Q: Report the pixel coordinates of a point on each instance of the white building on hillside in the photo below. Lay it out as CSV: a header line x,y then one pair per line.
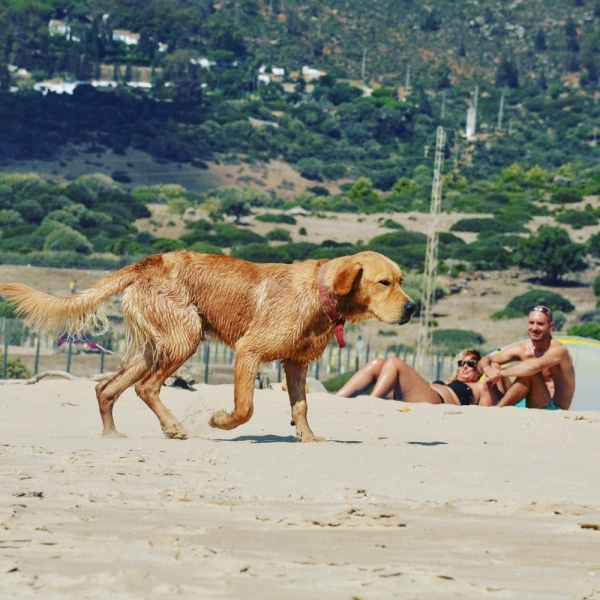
x,y
125,36
309,73
56,27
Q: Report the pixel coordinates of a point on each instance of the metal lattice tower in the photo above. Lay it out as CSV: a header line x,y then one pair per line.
x,y
424,337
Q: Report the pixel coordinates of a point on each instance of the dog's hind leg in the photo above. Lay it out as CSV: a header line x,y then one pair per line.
x,y
244,371
295,375
167,359
109,390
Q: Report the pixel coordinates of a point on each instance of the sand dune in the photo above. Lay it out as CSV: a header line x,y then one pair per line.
x,y
434,501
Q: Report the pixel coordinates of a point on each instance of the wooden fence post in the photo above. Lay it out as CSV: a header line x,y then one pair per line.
x,y
69,353
36,364
7,327
206,361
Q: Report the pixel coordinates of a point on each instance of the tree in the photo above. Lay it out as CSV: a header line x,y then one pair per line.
x,y
540,41
551,252
507,74
596,286
594,245
234,207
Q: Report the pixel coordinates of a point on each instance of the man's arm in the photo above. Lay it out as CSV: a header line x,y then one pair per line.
x,y
490,365
531,366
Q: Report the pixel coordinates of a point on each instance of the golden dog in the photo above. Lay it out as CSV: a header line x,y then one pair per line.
x,y
171,302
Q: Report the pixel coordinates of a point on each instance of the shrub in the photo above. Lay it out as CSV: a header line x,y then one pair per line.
x,y
65,238
7,309
593,245
552,252
10,218
553,301
318,190
588,330
453,341
299,250
261,253
487,226
31,211
64,260
302,231
407,248
507,313
178,206
517,212
279,235
160,245
333,172
577,218
559,319
245,195
310,168
228,235
121,177
276,218
449,239
391,224
596,286
338,382
568,196
205,248
15,369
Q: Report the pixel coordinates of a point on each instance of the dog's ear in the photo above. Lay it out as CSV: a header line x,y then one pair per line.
x,y
345,276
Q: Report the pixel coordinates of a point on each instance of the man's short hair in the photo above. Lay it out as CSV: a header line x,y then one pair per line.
x,y
543,309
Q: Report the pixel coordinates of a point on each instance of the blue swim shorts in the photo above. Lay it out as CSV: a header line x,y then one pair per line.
x,y
551,406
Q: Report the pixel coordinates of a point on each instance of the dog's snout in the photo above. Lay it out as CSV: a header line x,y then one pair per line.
x,y
409,308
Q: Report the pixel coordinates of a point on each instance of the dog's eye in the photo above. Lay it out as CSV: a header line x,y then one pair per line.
x,y
384,282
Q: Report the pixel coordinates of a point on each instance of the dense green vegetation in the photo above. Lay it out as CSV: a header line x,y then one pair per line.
x,y
519,306
327,129
88,223
588,330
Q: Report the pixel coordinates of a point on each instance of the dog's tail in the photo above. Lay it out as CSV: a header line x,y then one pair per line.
x,y
71,314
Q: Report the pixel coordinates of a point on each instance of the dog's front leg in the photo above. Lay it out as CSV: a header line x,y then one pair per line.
x,y
295,374
244,373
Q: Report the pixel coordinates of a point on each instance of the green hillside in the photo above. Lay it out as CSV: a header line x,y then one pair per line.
x,y
542,57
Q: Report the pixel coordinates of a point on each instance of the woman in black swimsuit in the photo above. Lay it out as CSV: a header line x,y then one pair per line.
x,y
393,379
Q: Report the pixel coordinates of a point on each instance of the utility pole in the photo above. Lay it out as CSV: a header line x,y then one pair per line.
x,y
501,111
364,64
427,297
475,101
407,82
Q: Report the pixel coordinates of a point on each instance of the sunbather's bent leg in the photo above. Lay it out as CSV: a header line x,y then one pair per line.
x,y
362,380
405,383
532,388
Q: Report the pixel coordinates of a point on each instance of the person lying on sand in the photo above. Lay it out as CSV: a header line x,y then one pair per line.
x,y
393,379
545,377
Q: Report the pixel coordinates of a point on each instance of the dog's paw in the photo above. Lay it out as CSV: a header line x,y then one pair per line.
x,y
306,437
113,433
220,420
175,431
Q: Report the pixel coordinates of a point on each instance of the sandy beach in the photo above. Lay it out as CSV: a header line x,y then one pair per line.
x,y
411,501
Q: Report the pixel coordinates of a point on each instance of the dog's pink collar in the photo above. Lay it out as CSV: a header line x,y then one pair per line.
x,y
330,309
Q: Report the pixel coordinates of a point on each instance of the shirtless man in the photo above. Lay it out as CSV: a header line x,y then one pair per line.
x,y
545,377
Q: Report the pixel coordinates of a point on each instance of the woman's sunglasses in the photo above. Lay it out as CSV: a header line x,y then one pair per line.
x,y
469,363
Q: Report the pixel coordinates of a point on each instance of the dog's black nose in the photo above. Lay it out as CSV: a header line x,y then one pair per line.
x,y
409,308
